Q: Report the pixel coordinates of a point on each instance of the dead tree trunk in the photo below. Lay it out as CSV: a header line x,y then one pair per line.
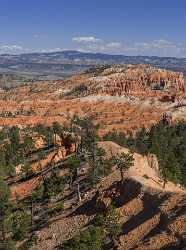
x,y
78,191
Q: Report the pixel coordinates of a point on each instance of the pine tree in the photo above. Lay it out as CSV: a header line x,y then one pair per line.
x,y
123,162
5,210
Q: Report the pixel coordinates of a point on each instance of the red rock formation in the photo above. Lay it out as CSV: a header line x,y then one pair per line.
x,y
122,80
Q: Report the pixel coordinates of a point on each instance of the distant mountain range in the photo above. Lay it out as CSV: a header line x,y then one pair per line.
x,y
69,62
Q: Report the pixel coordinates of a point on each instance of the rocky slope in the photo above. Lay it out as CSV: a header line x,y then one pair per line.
x,y
152,217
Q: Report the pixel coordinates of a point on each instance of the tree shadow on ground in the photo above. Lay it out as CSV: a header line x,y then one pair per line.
x,y
151,208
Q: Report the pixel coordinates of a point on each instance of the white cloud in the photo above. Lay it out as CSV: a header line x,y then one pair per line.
x,y
95,47
159,47
50,50
103,47
11,47
114,45
17,49
94,44
7,48
156,44
86,39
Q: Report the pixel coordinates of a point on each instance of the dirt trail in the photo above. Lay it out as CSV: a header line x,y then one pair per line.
x,y
142,171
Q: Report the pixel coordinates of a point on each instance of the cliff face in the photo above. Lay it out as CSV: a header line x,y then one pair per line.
x,y
126,79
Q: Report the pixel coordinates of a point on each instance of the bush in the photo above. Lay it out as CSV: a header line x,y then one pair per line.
x,y
90,239
20,225
56,209
8,245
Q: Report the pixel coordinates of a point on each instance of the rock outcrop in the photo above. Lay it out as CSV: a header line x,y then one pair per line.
x,y
126,79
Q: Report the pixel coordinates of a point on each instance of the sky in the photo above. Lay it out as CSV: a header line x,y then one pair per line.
x,y
128,27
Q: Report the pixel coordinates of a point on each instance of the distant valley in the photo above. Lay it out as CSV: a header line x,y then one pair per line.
x,y
58,65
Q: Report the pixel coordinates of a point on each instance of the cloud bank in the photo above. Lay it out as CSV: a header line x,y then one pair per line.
x,y
86,39
159,47
10,48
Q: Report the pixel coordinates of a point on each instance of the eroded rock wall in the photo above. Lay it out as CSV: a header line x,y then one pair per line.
x,y
121,80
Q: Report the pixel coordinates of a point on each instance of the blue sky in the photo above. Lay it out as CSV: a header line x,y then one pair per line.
x,y
134,27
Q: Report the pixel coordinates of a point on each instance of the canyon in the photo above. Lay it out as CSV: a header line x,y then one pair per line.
x,y
118,98
122,97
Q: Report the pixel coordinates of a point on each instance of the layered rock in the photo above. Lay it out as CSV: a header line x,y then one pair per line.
x,y
125,79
